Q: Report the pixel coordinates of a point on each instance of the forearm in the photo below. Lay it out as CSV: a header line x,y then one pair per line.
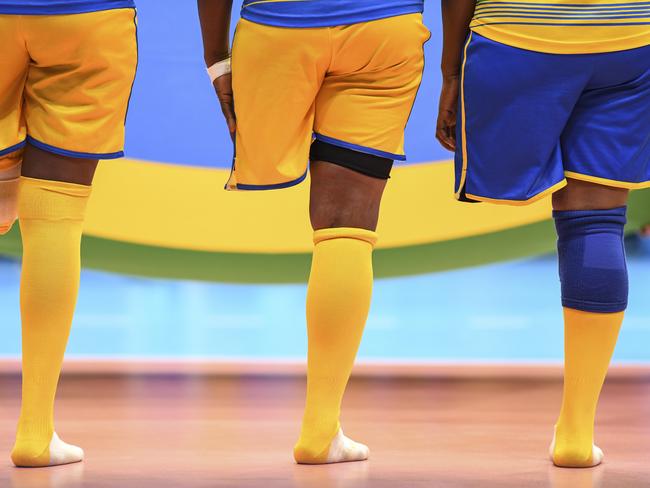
x,y
215,28
456,17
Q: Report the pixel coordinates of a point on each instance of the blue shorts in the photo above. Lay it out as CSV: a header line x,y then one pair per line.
x,y
529,120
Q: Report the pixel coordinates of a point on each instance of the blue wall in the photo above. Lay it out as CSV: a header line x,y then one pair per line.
x,y
174,115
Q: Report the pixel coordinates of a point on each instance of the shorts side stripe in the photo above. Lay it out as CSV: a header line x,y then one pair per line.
x,y
463,175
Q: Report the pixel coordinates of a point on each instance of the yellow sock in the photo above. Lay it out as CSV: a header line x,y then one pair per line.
x,y
51,217
589,342
338,300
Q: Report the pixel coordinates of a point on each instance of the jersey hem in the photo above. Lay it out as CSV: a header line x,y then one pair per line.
x,y
319,22
72,8
553,47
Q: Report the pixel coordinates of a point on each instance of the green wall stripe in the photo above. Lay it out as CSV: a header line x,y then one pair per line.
x,y
158,262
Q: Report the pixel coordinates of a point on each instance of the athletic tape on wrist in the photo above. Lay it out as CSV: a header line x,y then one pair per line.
x,y
219,69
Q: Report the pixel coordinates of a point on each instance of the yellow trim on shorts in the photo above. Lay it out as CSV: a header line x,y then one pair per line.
x,y
463,175
607,182
539,196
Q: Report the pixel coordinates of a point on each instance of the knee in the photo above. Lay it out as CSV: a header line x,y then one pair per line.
x,y
593,272
9,176
341,197
583,195
328,215
8,205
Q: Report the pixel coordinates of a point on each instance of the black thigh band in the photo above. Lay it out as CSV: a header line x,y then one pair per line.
x,y
367,164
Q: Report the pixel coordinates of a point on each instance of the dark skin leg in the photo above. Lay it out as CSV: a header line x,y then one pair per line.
x,y
582,195
341,197
44,165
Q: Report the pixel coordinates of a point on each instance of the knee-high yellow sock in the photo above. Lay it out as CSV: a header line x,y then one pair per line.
x,y
338,300
51,216
589,342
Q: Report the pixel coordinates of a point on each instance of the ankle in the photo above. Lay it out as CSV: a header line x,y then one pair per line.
x,y
34,426
304,453
31,452
573,444
572,455
578,430
315,440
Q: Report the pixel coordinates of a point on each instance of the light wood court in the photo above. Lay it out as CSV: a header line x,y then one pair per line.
x,y
200,431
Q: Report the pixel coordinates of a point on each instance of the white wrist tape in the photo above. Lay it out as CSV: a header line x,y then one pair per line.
x,y
219,69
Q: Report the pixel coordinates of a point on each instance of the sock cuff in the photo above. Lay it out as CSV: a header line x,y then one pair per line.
x,y
587,306
618,212
51,200
9,183
588,314
346,233
582,222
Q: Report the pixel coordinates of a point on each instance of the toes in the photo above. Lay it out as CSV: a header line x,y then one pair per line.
x,y
597,455
345,449
64,453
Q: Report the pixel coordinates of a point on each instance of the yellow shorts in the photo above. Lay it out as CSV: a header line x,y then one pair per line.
x,y
350,86
65,82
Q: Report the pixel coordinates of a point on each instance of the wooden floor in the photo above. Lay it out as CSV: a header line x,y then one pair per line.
x,y
209,432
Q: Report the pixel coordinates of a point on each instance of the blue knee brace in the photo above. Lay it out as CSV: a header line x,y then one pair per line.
x,y
593,272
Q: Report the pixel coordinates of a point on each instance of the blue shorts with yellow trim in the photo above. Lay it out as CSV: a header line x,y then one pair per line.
x,y
349,86
529,120
65,81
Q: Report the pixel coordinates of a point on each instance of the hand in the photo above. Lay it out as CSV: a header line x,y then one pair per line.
x,y
447,111
223,87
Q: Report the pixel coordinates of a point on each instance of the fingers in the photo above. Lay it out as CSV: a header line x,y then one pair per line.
x,y
445,140
223,87
446,125
446,133
228,109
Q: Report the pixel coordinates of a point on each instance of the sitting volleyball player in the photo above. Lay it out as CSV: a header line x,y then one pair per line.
x,y
331,83
66,72
553,98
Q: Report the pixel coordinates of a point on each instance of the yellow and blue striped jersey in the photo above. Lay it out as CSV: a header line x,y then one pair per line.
x,y
565,26
325,13
60,7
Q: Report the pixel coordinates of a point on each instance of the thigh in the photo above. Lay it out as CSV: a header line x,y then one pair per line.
x,y
14,63
371,85
607,139
276,75
47,165
513,107
79,81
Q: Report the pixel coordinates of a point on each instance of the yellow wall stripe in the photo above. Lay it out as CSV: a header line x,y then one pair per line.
x,y
186,208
